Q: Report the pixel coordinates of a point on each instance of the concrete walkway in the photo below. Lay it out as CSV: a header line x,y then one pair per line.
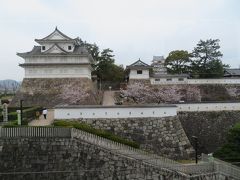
x,y
42,121
108,98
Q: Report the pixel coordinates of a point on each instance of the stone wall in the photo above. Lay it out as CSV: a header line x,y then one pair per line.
x,y
191,92
50,92
54,158
41,158
163,136
210,127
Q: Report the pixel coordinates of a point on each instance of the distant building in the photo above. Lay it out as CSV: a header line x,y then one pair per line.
x,y
158,65
58,56
139,70
169,78
232,73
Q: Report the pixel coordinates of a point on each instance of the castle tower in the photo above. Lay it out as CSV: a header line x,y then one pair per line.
x,y
57,71
58,56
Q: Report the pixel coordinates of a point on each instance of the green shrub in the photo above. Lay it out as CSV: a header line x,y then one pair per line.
x,y
28,114
231,150
98,132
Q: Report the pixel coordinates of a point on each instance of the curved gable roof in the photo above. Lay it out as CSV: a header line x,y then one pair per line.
x,y
55,49
139,65
55,35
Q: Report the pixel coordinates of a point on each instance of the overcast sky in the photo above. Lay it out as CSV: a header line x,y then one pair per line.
x,y
131,28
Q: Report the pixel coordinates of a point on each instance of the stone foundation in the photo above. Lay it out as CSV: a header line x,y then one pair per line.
x,y
163,136
211,128
49,92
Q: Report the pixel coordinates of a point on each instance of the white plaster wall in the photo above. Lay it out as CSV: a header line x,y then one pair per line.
x,y
214,81
133,74
195,81
164,81
58,72
74,113
234,106
56,59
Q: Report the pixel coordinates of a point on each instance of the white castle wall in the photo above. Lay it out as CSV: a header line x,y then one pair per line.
x,y
58,72
133,74
113,112
195,81
57,59
223,106
214,81
174,80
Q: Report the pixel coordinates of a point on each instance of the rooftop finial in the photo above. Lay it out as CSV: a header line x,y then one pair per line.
x,y
56,28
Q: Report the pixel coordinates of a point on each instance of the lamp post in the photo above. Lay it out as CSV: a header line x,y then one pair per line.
x,y
21,109
196,148
100,83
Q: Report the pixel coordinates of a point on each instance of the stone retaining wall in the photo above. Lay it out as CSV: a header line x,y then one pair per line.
x,y
211,128
49,92
54,158
65,159
163,136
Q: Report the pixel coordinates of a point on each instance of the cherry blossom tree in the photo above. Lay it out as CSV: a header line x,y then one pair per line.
x,y
233,91
192,93
163,94
141,93
74,94
136,92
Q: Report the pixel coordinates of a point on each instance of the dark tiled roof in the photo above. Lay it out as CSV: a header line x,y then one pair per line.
x,y
59,32
139,65
51,64
36,51
122,106
232,72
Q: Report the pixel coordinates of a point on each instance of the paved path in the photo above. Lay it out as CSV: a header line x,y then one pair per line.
x,y
108,98
42,121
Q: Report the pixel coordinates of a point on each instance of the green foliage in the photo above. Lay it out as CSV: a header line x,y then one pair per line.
x,y
177,62
98,132
231,150
6,96
105,69
206,59
28,114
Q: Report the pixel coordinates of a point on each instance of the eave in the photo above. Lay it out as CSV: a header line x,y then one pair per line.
x,y
52,64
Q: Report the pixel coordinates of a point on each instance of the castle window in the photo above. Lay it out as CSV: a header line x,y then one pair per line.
x,y
69,47
169,79
157,79
139,71
43,48
180,79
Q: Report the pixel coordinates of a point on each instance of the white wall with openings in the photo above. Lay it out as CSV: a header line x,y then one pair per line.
x,y
139,74
76,112
220,106
180,80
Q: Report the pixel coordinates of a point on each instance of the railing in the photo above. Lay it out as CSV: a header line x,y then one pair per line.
x,y
223,167
143,156
227,168
35,132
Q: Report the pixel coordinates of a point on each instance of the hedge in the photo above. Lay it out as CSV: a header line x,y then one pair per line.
x,y
98,132
28,114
